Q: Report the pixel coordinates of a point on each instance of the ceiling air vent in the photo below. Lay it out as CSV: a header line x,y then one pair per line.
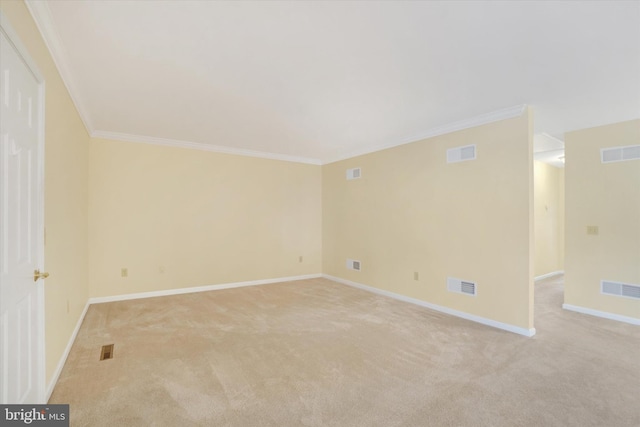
x,y
461,154
620,154
354,173
461,286
352,264
620,289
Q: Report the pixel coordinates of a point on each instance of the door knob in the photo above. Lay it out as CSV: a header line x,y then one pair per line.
x,y
37,275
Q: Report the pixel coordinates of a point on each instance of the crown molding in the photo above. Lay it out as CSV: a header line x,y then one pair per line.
x,y
483,119
553,138
42,16
44,22
200,146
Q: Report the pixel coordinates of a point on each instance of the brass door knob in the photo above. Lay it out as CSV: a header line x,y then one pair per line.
x,y
37,275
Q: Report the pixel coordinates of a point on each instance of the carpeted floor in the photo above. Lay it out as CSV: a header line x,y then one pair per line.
x,y
318,353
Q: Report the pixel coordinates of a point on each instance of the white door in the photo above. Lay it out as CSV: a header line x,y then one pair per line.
x,y
21,225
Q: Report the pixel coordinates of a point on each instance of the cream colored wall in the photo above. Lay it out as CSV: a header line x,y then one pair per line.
x,y
607,196
66,178
548,218
180,218
413,212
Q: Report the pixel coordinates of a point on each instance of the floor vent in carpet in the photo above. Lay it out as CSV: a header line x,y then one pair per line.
x,y
107,352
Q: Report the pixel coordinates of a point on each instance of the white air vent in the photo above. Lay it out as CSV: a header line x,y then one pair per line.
x,y
354,173
620,289
460,154
461,286
620,154
352,264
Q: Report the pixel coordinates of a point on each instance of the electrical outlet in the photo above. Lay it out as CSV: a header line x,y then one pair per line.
x,y
300,258
592,230
416,275
161,269
124,272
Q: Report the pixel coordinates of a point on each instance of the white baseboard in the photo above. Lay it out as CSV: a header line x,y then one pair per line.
x,y
546,276
65,354
99,300
178,291
603,314
504,326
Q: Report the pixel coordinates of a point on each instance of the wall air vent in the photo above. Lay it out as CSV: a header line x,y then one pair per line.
x,y
353,264
354,173
620,154
620,289
461,286
461,154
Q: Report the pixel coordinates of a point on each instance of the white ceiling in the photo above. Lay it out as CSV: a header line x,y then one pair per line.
x,y
320,81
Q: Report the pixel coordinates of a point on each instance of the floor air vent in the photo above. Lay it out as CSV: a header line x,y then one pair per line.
x,y
461,286
620,154
620,289
107,352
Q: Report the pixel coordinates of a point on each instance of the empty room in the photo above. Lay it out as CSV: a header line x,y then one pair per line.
x,y
312,213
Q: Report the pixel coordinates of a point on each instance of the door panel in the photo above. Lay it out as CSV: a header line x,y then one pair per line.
x,y
21,344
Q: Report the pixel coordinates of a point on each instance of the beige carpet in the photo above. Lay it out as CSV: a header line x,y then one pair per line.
x,y
318,353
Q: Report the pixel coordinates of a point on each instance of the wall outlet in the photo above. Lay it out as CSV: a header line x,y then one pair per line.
x,y
124,272
592,230
416,275
300,258
161,269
